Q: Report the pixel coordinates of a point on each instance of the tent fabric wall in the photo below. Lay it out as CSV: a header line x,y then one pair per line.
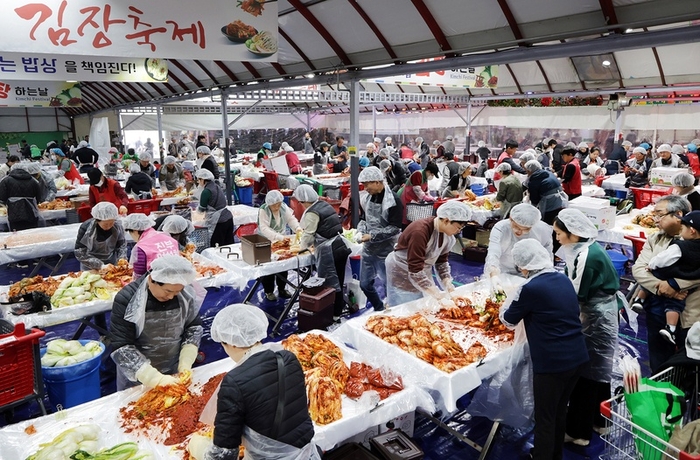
x,y
29,120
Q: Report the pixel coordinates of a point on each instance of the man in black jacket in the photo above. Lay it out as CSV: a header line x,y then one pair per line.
x,y
253,402
85,157
21,193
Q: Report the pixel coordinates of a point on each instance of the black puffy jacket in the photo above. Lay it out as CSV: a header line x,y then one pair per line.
x,y
20,184
138,183
249,396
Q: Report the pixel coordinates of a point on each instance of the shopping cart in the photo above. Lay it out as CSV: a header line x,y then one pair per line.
x,y
626,440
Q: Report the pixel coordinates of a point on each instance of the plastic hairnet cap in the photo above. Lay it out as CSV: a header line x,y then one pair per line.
x,y
203,149
364,162
137,221
463,166
533,165
692,148
419,140
376,139
134,168
170,160
683,179
204,174
577,223
677,149
104,211
387,139
449,138
627,144
436,142
370,174
583,145
645,145
370,145
82,144
481,144
525,214
173,269
266,145
273,197
384,165
641,150
503,167
663,148
529,254
58,152
527,156
177,224
455,211
239,325
384,153
305,194
145,156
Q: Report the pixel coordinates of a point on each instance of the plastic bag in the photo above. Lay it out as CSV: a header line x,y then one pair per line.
x,y
356,297
507,396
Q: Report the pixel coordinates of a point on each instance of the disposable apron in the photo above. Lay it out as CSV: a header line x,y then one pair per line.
x,y
373,212
103,250
553,200
260,447
599,318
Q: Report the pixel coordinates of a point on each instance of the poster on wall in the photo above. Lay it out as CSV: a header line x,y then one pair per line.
x,y
234,30
40,94
45,67
468,77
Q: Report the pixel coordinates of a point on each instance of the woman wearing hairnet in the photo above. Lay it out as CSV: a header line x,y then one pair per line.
x,y
547,304
274,217
684,185
66,167
177,227
261,403
416,187
545,191
155,328
510,190
458,183
597,285
425,244
321,229
150,243
139,183
523,223
171,176
146,163
101,239
212,202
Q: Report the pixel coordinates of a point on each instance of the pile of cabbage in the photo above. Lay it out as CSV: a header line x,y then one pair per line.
x,y
85,288
60,352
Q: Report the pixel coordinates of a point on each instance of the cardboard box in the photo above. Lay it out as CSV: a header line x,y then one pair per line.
x,y
403,422
598,210
661,175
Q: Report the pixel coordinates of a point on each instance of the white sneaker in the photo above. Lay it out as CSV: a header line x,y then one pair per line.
x,y
602,430
669,336
576,441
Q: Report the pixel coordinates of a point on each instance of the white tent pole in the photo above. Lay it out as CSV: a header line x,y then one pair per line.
x,y
227,160
308,120
374,122
159,143
618,125
354,141
120,129
468,149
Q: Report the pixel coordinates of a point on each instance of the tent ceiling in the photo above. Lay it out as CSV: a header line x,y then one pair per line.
x,y
336,39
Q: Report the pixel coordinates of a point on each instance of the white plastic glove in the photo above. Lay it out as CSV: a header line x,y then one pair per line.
x,y
492,271
188,355
428,197
449,287
199,445
151,377
122,210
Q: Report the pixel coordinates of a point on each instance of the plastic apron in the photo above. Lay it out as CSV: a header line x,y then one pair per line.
x,y
103,250
212,219
260,447
554,200
373,212
21,204
399,283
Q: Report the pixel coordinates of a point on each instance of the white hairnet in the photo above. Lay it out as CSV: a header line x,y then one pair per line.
x,y
436,142
204,174
384,153
527,156
176,224
137,221
173,269
504,168
274,197
463,166
240,325
384,165
145,156
387,139
203,149
29,166
288,148
455,211
104,210
525,214
305,194
663,148
481,144
577,223
377,140
82,144
627,144
370,174
583,145
529,254
683,179
170,160
370,145
532,166
639,150
449,138
677,149
134,167
419,140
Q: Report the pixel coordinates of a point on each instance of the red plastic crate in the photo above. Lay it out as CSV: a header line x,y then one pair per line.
x,y
645,196
143,206
20,378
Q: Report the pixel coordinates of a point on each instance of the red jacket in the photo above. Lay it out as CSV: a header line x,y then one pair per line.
x,y
293,162
109,191
571,175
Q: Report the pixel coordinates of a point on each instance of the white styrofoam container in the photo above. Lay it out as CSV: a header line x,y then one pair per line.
x,y
600,211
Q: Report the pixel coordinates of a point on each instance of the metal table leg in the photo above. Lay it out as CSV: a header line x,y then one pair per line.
x,y
304,274
483,450
54,269
85,322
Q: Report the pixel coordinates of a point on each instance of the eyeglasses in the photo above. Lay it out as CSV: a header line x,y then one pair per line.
x,y
657,216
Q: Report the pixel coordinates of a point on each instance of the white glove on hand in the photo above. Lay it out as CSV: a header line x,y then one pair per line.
x,y
199,445
449,287
447,302
492,271
151,377
188,355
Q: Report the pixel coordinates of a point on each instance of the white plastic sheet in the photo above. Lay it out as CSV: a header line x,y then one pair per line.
x,y
615,182
243,214
230,257
37,242
81,189
46,215
445,388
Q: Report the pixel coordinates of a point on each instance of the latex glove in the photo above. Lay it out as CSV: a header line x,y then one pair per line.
x,y
199,445
188,354
123,210
151,377
492,271
448,285
428,197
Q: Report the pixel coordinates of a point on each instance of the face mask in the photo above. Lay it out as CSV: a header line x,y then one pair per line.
x,y
99,184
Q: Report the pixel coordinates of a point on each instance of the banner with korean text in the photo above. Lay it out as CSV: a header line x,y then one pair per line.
x,y
469,77
44,67
231,30
40,94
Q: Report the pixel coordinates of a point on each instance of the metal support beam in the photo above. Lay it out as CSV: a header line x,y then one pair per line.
x,y
308,120
132,121
227,159
469,128
466,122
618,125
223,109
120,129
159,114
299,119
354,160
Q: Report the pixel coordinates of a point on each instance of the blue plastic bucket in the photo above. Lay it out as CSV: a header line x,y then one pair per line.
x,y
245,195
286,200
70,386
355,262
621,194
477,189
618,260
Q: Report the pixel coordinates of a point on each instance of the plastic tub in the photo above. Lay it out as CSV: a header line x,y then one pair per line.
x,y
70,386
355,262
245,195
621,194
618,260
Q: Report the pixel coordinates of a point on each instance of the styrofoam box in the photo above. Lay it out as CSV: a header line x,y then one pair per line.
x,y
403,422
599,211
364,437
662,176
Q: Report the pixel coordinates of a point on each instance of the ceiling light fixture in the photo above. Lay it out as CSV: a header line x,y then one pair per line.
x,y
310,75
606,63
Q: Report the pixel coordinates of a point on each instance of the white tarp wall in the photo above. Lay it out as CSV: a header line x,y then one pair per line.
x,y
100,139
30,119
